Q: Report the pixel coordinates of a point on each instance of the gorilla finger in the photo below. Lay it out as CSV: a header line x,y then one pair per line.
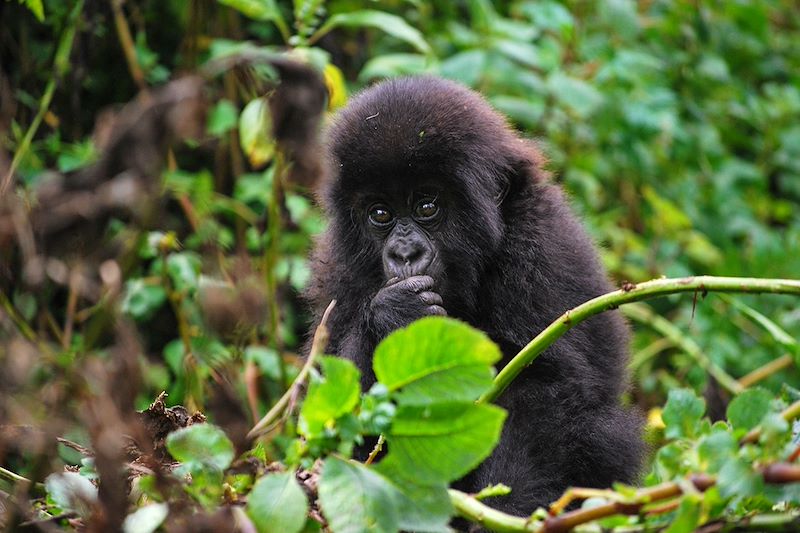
x,y
391,281
419,283
437,310
431,298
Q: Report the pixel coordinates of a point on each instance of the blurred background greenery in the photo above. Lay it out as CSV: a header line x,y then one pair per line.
x,y
674,126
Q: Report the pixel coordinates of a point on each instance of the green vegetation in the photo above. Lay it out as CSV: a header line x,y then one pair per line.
x,y
161,245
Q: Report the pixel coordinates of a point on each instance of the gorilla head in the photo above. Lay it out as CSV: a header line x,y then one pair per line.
x,y
437,207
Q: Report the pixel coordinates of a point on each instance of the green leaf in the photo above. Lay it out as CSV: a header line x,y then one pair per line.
x,y
266,10
682,413
436,359
393,65
687,518
391,24
737,478
331,397
255,127
202,444
184,270
778,333
142,299
715,449
355,499
441,443
71,492
748,408
222,117
277,504
36,8
423,507
574,93
146,519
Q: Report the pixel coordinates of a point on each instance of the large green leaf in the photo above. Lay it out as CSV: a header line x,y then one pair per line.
x,y
330,397
201,444
277,504
356,499
436,360
746,410
391,24
682,413
440,443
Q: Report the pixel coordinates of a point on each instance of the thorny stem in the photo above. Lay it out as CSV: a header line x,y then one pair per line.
x,y
317,347
612,300
643,314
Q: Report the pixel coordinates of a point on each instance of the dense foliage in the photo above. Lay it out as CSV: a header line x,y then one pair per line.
x,y
674,126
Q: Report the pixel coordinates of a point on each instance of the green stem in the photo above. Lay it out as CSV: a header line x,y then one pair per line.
x,y
12,476
61,63
475,511
612,300
644,315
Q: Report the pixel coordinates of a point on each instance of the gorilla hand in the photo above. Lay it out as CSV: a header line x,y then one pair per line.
x,y
401,301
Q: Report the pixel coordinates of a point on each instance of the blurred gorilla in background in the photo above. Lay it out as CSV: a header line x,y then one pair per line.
x,y
437,207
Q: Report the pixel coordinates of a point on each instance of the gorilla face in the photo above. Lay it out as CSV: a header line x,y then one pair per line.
x,y
423,202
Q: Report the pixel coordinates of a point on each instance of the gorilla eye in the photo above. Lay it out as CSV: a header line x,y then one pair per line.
x,y
426,209
380,215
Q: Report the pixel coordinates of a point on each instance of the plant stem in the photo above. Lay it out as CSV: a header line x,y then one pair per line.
x,y
763,372
612,300
643,314
128,46
475,511
61,63
317,347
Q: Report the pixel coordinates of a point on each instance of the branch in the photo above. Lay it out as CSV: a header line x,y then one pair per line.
x,y
612,300
645,315
317,347
468,507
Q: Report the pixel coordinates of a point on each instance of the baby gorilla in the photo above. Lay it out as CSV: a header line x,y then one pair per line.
x,y
437,207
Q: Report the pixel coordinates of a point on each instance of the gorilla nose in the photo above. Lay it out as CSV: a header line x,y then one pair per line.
x,y
406,254
407,258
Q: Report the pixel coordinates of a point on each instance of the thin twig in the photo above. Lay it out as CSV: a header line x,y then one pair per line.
x,y
128,46
376,450
763,372
317,347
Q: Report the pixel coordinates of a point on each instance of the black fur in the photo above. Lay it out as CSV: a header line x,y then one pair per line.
x,y
512,258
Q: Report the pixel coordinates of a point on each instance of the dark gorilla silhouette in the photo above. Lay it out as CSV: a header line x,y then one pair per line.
x,y
437,207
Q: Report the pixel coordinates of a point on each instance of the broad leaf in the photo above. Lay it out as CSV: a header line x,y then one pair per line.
x,y
682,413
391,24
436,360
355,499
201,444
441,443
330,397
277,504
747,409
